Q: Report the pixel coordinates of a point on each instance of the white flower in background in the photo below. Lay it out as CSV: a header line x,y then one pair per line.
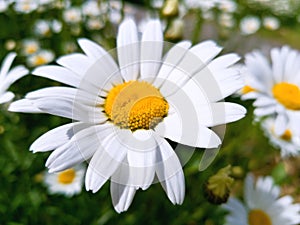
x,y
40,58
262,205
249,25
42,27
68,182
56,26
10,44
8,77
30,46
226,20
288,143
72,15
203,4
271,23
4,5
91,9
94,24
275,87
25,6
227,6
157,3
125,111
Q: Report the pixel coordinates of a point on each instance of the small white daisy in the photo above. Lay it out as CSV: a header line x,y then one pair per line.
x,y
25,6
30,46
68,182
227,6
249,25
91,9
226,20
271,23
126,109
42,27
4,5
40,58
8,77
262,205
72,15
288,143
275,87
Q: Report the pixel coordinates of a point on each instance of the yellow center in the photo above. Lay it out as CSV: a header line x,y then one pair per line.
x,y
288,95
40,60
31,49
246,89
258,217
67,176
287,135
135,105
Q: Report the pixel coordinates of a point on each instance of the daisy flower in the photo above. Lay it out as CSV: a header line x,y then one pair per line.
x,y
25,6
30,46
262,205
275,87
288,143
8,77
123,111
271,23
72,15
40,58
68,182
249,25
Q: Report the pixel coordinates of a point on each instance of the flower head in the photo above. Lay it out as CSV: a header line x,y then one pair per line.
x,y
275,87
262,205
288,142
8,77
68,182
123,111
249,25
39,58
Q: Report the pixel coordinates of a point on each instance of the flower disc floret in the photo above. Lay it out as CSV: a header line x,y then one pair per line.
x,y
135,105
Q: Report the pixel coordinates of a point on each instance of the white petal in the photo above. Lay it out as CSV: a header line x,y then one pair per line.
x,y
248,191
223,61
141,161
279,57
122,196
6,97
6,65
81,147
264,101
169,172
68,108
220,113
128,50
171,59
260,68
105,161
206,51
56,137
151,49
76,62
15,74
121,193
59,74
187,131
91,49
25,106
103,74
66,92
264,111
280,124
